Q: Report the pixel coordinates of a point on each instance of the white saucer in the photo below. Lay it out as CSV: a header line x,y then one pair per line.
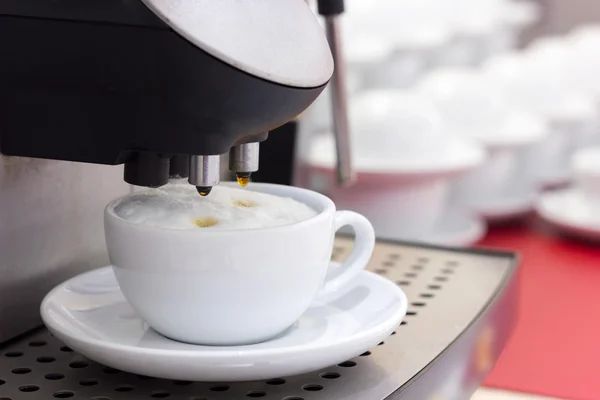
x,y
557,179
568,210
90,314
505,208
458,156
453,230
456,230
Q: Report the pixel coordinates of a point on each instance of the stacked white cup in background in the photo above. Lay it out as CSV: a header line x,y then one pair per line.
x,y
472,107
553,59
515,16
536,81
584,57
393,43
474,25
404,163
415,35
529,109
576,209
583,62
481,28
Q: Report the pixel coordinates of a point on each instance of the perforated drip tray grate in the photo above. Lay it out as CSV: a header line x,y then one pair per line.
x,y
461,314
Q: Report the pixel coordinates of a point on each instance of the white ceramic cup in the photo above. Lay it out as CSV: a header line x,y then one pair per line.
x,y
403,212
400,208
586,169
491,182
236,286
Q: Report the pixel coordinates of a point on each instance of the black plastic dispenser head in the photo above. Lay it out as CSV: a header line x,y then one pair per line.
x,y
147,169
134,82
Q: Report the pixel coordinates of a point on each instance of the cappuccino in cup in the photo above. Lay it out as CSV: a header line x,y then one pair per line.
x,y
237,267
226,208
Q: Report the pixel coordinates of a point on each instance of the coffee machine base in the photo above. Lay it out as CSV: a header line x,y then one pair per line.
x,y
461,313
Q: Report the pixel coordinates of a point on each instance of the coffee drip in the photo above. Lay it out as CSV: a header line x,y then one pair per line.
x,y
243,179
203,190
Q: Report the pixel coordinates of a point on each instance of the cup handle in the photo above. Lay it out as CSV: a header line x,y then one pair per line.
x,y
364,243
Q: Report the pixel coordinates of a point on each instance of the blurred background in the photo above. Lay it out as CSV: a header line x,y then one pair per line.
x,y
477,123
458,116
559,16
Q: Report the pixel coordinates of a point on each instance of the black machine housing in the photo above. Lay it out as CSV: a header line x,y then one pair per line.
x,y
106,81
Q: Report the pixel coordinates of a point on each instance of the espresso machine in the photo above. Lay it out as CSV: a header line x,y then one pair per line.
x,y
134,83
163,88
99,96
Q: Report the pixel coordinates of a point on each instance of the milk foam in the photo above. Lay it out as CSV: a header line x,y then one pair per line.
x,y
179,206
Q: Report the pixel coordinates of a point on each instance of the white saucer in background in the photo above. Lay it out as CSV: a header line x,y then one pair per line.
x,y
555,179
456,230
453,230
507,207
458,156
569,210
90,314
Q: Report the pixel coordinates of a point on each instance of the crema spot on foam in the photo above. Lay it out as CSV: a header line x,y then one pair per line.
x,y
244,203
205,222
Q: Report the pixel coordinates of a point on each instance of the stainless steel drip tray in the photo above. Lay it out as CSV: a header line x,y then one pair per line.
x,y
462,309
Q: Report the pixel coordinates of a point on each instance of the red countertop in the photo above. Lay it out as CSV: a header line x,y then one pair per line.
x,y
555,349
